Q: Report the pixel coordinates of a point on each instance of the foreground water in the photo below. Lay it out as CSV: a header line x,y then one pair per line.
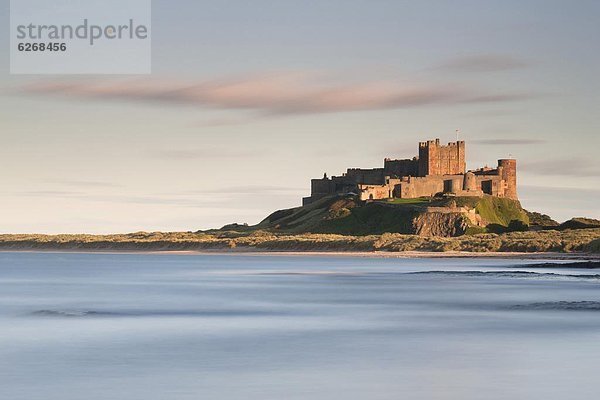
x,y
131,326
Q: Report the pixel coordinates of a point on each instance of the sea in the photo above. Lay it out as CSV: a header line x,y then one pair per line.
x,y
87,326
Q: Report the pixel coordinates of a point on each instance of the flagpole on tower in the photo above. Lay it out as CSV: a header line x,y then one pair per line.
x,y
457,132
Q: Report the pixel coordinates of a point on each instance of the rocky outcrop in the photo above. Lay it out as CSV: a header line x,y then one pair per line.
x,y
446,224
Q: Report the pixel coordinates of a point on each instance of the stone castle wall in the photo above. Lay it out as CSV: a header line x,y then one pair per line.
x,y
438,169
408,167
372,176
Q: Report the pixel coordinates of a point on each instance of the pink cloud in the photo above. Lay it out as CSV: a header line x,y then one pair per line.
x,y
271,94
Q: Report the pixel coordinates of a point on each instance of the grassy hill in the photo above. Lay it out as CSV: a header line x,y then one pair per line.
x,y
376,226
580,223
344,224
539,221
345,215
585,240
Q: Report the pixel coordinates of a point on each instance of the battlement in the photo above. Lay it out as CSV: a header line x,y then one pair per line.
x,y
428,143
437,142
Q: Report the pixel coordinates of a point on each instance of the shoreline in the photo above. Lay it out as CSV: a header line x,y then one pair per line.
x,y
568,244
320,253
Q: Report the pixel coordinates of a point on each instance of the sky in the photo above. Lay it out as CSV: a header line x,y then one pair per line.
x,y
249,100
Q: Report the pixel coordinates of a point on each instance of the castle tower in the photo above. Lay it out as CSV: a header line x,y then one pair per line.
x,y
508,171
470,182
435,159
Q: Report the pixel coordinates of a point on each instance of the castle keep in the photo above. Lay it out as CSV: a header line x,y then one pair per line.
x,y
437,169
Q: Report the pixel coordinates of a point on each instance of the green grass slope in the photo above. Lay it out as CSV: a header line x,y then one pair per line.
x,y
581,240
347,216
341,215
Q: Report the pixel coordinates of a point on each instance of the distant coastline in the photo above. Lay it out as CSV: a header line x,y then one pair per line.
x,y
566,259
569,243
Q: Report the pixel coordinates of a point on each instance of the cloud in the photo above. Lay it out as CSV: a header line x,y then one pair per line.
x,y
396,149
207,153
245,196
197,201
89,184
507,142
274,94
500,97
484,63
253,190
591,193
561,202
575,166
216,122
49,193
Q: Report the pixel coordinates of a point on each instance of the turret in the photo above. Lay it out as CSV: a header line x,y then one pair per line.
x,y
507,169
470,183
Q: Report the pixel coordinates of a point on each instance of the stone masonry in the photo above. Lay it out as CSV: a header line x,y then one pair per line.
x,y
438,169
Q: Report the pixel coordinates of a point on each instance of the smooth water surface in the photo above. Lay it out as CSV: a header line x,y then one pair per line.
x,y
157,326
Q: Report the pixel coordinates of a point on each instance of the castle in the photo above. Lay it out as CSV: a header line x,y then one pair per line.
x,y
437,169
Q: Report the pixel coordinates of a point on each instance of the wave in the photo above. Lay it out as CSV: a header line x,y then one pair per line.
x,y
142,313
474,274
507,274
588,264
70,313
560,305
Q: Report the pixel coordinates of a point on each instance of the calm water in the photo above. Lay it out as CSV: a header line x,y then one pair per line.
x,y
169,327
